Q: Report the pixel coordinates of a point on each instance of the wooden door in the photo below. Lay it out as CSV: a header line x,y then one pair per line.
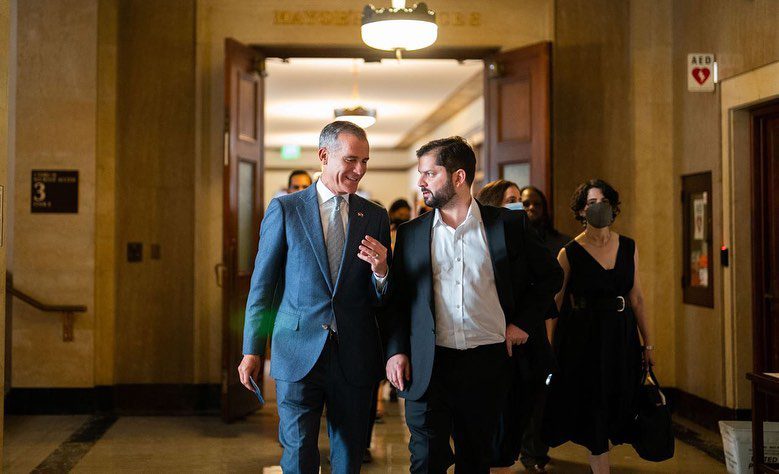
x,y
765,248
517,111
243,183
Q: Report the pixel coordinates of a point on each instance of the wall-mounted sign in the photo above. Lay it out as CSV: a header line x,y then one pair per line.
x,y
54,191
354,18
701,72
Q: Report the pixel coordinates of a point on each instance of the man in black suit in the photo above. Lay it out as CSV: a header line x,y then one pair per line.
x,y
469,282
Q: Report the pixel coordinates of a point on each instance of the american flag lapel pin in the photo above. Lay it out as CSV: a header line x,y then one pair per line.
x,y
360,214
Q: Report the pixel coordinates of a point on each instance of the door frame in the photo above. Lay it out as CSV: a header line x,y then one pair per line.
x,y
737,95
759,218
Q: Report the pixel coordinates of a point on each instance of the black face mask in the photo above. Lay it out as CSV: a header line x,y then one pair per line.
x,y
397,221
599,215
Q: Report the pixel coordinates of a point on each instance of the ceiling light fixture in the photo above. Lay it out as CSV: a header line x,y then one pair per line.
x,y
399,28
357,114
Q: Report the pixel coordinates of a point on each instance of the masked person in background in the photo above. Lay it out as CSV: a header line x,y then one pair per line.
x,y
518,434
599,353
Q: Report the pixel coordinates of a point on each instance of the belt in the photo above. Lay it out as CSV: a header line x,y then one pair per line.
x,y
618,303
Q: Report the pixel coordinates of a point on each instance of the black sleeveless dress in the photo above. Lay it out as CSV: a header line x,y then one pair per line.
x,y
591,398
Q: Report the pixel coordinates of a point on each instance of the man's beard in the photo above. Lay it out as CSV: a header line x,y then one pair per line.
x,y
441,198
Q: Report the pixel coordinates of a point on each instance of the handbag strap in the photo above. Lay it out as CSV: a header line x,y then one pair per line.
x,y
653,378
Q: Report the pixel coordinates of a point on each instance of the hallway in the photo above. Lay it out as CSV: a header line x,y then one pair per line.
x,y
205,444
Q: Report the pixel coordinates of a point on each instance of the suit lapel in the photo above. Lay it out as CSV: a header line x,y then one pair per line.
x,y
312,225
358,221
423,244
496,240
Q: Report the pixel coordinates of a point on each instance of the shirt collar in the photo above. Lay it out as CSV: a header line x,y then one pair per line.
x,y
324,194
473,212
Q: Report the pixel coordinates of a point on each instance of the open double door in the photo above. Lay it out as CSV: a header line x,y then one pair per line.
x,y
517,103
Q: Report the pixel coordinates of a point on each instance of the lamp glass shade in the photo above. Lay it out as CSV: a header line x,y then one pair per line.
x,y
408,35
359,116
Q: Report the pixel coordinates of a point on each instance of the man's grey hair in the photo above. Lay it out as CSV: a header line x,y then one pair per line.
x,y
329,136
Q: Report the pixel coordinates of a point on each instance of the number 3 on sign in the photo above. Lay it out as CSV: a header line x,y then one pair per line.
x,y
40,192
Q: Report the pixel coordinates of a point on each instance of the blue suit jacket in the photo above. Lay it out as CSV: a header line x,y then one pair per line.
x,y
292,264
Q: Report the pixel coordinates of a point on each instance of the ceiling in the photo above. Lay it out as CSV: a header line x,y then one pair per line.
x,y
302,93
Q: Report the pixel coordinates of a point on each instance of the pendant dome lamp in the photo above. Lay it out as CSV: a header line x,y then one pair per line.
x,y
357,114
399,28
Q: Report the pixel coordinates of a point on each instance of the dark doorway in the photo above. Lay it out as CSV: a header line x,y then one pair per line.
x,y
765,245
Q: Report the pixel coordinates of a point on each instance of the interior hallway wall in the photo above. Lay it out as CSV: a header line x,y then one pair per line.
x,y
6,56
743,36
55,129
622,112
155,191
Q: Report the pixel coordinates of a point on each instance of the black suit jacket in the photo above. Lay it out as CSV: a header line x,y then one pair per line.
x,y
527,277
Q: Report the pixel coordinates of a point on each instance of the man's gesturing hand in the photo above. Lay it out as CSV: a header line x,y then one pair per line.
x,y
375,254
398,371
514,337
249,367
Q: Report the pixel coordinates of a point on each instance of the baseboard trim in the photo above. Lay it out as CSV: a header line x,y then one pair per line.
x,y
125,399
701,411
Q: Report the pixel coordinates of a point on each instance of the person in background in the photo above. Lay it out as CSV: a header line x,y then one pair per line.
x,y
500,193
591,398
422,207
518,433
535,204
399,212
298,181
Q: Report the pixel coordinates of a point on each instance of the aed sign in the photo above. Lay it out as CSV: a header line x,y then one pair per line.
x,y
701,72
54,191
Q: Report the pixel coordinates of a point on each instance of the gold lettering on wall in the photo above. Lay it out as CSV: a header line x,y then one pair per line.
x,y
354,18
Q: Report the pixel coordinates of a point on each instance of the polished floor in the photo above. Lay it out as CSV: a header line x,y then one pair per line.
x,y
205,444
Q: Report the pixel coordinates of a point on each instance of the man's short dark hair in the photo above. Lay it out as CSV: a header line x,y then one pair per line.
x,y
329,135
399,204
298,173
453,153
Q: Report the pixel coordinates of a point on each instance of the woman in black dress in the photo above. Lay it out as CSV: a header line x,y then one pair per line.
x,y
599,353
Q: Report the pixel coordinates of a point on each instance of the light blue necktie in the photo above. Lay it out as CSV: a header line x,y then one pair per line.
x,y
335,239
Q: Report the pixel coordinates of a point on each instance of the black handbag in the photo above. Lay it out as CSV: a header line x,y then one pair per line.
x,y
653,437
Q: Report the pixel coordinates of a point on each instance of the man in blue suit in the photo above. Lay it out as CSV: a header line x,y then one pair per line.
x,y
324,251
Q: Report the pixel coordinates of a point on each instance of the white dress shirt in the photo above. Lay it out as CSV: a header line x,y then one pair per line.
x,y
467,309
326,204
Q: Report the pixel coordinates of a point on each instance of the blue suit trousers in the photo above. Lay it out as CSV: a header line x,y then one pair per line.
x,y
300,407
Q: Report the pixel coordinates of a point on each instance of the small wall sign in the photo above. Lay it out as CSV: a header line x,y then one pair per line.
x,y
701,72
54,191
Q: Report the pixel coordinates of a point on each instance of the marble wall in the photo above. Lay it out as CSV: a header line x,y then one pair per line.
x,y
53,258
6,49
155,192
743,36
622,111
